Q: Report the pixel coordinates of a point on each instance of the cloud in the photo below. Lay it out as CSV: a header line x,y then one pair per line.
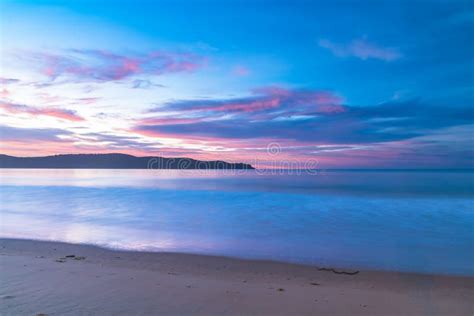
x,y
63,114
40,141
101,65
170,121
265,100
116,142
395,134
8,133
387,122
334,148
361,49
8,80
241,71
48,141
90,100
145,84
4,93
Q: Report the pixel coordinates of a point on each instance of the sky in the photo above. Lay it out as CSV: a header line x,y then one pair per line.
x,y
337,84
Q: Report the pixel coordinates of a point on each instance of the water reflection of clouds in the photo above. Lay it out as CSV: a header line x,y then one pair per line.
x,y
370,183
423,231
20,226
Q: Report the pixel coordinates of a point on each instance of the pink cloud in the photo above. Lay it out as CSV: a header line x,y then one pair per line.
x,y
49,111
188,139
48,98
241,71
103,65
328,109
88,100
249,106
362,49
273,91
255,151
168,121
59,113
125,68
270,98
311,99
4,93
327,98
28,148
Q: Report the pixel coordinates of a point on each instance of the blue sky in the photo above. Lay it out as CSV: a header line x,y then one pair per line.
x,y
349,83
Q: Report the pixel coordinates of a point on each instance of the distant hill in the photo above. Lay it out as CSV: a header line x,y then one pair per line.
x,y
113,161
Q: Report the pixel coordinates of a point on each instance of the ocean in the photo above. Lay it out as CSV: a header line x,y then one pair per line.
x,y
406,220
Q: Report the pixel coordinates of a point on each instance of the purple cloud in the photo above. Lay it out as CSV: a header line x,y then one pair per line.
x,y
145,84
100,65
63,114
9,133
387,122
362,49
6,81
267,101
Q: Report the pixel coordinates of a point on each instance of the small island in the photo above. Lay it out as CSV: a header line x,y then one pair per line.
x,y
114,161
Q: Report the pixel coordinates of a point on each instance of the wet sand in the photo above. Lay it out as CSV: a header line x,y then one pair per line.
x,y
54,278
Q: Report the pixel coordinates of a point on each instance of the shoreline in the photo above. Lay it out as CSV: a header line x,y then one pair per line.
x,y
313,265
56,278
338,269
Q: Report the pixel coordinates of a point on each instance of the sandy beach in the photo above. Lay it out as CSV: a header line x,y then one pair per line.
x,y
52,278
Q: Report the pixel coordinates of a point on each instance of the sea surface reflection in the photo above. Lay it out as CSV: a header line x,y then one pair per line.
x,y
419,221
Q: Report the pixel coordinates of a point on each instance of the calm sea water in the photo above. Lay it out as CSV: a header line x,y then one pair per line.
x,y
402,221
